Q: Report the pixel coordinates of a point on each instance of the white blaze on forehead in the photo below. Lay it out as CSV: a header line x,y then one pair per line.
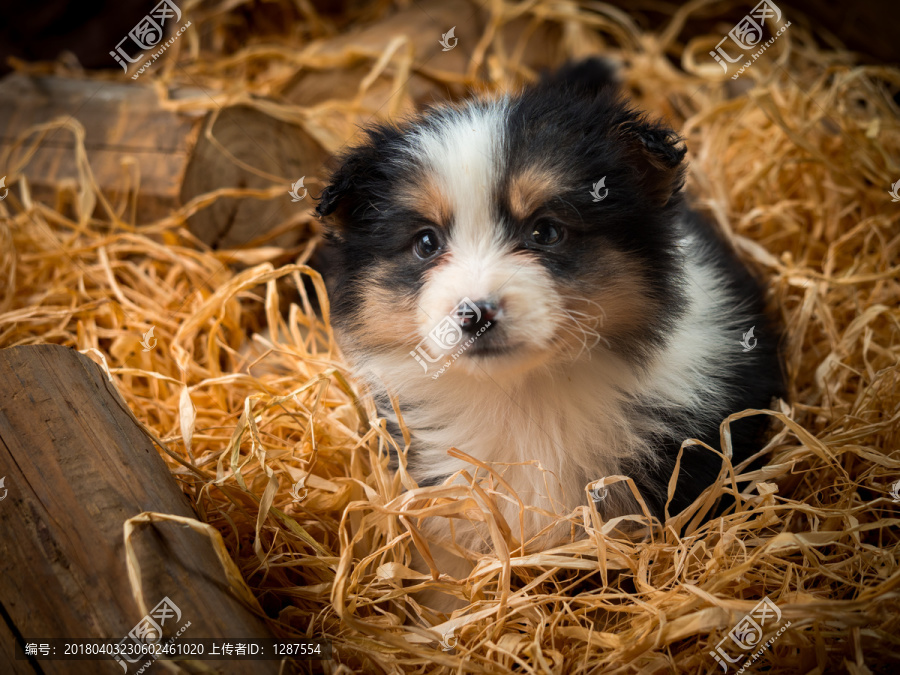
x,y
462,154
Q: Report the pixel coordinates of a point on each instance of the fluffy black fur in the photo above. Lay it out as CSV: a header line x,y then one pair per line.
x,y
576,121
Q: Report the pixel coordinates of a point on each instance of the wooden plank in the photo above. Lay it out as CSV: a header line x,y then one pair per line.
x,y
129,136
124,125
77,466
7,658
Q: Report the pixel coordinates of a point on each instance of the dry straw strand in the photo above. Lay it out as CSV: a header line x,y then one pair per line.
x,y
286,461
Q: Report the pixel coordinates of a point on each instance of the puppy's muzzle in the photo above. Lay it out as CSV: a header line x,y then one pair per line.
x,y
473,322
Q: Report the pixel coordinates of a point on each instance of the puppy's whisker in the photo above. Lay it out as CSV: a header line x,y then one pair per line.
x,y
579,339
586,330
600,315
597,337
567,327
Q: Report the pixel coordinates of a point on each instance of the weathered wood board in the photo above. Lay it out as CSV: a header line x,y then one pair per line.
x,y
77,466
127,134
136,146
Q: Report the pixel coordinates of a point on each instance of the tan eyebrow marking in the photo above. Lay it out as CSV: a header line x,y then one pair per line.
x,y
529,189
426,198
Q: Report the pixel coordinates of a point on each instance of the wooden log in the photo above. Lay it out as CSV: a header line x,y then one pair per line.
x,y
126,133
129,135
423,24
273,148
77,465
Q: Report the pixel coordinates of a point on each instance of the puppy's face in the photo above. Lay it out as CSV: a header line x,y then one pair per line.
x,y
506,234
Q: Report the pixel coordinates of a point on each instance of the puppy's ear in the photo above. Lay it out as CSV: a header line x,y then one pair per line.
x,y
583,78
657,153
331,196
343,185
358,171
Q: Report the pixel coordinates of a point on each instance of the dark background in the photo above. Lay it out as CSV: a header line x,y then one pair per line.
x,y
40,31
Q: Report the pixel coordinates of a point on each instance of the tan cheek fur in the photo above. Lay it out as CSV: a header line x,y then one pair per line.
x,y
621,294
617,305
385,318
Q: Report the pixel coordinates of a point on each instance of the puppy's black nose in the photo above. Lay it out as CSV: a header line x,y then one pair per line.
x,y
473,316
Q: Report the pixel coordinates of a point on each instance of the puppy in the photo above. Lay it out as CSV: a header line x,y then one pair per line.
x,y
524,274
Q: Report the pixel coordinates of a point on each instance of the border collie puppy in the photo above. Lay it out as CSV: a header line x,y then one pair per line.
x,y
524,275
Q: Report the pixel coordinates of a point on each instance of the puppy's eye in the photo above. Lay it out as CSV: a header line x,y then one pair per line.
x,y
546,233
426,244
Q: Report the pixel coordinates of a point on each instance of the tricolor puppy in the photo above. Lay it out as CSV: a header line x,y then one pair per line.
x,y
524,275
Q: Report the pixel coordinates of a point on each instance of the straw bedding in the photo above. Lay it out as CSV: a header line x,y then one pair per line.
x,y
286,459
